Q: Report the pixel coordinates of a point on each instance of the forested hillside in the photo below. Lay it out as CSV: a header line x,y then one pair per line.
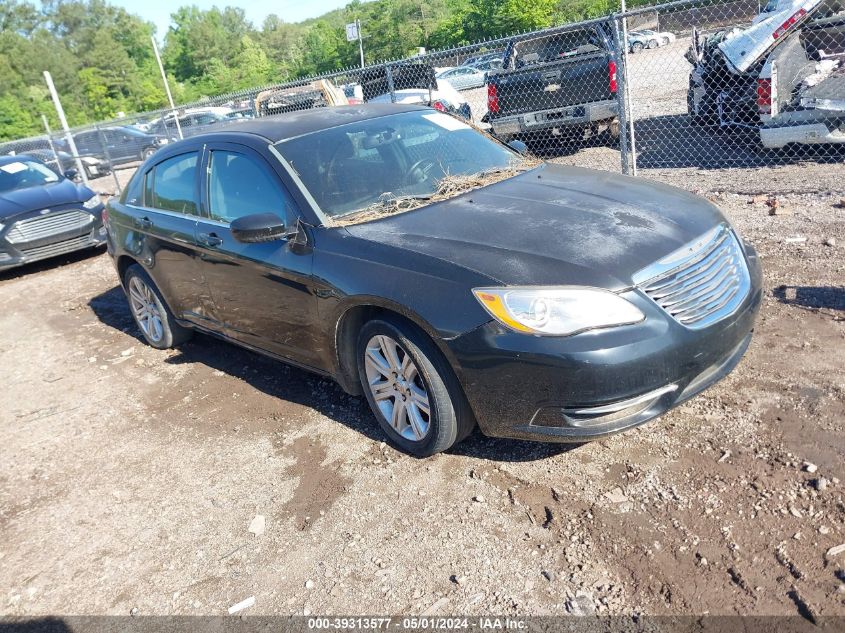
x,y
102,61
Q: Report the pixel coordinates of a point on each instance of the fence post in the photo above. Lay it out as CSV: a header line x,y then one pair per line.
x,y
108,158
621,105
390,83
626,113
50,143
626,94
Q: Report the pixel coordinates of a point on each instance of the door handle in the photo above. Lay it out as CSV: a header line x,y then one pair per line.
x,y
143,223
209,239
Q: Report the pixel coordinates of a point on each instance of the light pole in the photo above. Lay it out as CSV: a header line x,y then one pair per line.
x,y
166,87
68,136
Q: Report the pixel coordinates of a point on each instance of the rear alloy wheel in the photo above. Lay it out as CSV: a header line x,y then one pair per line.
x,y
652,44
665,41
152,317
637,47
411,389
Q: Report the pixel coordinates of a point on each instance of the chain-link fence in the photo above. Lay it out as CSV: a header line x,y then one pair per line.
x,y
688,84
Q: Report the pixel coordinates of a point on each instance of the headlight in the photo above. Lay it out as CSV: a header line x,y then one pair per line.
x,y
93,202
557,311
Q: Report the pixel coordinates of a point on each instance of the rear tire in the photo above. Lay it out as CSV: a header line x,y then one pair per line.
x,y
652,44
151,314
637,47
411,388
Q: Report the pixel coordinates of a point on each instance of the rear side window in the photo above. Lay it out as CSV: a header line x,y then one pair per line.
x,y
240,185
171,185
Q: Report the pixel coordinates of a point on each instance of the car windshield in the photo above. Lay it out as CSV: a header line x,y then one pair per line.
x,y
385,161
23,174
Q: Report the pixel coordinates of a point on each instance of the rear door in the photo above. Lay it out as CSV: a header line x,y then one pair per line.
x,y
262,292
555,71
162,235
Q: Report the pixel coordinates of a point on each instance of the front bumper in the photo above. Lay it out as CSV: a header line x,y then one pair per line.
x,y
22,249
597,383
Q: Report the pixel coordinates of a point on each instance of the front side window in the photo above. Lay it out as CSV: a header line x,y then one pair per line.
x,y
417,154
171,185
240,185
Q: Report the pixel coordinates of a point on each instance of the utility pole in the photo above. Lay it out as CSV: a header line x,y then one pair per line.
x,y
68,136
360,41
50,143
166,87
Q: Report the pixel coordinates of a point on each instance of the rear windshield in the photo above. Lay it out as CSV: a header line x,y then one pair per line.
x,y
556,47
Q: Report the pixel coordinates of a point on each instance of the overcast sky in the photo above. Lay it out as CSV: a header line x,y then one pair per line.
x,y
158,11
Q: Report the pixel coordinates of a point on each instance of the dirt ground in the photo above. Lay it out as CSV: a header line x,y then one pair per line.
x,y
129,476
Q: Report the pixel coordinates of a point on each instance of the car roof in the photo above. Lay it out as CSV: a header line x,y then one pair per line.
x,y
292,124
5,160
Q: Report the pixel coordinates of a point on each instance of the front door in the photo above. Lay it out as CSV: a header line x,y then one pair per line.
x,y
262,292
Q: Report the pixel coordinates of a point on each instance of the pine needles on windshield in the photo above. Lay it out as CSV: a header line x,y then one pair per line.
x,y
449,186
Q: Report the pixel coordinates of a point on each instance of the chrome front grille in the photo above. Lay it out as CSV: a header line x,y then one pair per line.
x,y
700,283
42,226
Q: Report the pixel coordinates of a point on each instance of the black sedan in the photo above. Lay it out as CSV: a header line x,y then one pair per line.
x,y
43,214
439,273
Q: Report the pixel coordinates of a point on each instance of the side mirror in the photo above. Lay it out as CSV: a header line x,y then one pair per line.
x,y
518,146
258,227
71,174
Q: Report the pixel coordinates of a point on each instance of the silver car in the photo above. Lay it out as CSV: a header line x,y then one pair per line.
x,y
463,77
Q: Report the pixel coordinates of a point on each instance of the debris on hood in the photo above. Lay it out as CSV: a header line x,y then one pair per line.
x,y
448,187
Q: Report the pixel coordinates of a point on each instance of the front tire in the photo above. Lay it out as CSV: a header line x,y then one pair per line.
x,y
411,389
151,314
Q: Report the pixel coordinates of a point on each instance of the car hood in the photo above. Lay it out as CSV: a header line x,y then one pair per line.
x,y
553,225
57,193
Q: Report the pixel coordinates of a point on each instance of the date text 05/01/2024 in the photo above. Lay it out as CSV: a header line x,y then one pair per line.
x,y
412,623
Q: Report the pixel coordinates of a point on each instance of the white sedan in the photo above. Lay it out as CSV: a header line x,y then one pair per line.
x,y
663,37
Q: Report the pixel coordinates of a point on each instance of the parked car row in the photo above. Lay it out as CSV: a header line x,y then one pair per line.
x,y
642,39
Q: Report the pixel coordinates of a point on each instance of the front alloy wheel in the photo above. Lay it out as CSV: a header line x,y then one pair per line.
x,y
397,388
411,388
